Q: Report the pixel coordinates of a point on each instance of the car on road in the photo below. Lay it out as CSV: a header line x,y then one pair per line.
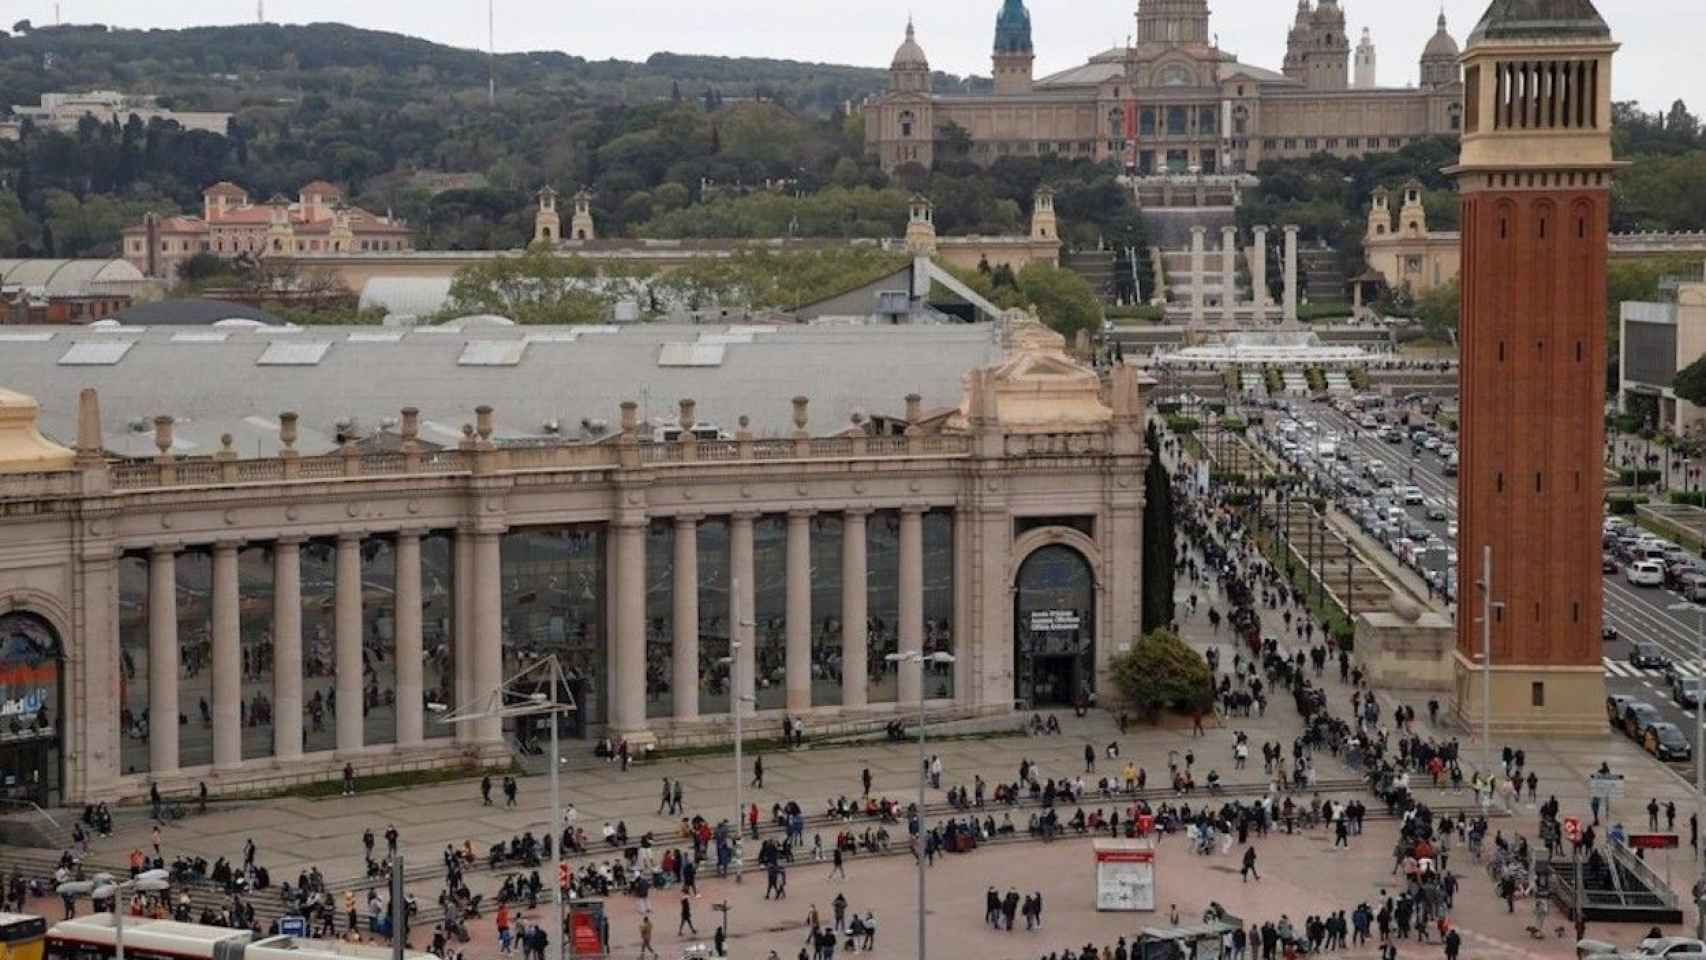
x,y
1614,705
1607,563
1451,530
1393,435
1638,715
1666,742
1645,573
1686,691
1437,512
1647,656
1413,496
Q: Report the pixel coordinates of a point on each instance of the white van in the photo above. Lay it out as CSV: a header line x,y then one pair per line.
x,y
1645,573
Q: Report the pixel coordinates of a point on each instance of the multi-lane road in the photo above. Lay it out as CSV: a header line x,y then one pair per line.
x,y
1637,613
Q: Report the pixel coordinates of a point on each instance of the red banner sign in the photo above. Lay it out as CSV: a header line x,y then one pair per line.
x,y
1653,841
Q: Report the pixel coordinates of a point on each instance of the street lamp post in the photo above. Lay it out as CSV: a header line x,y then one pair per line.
x,y
1699,731
103,887
530,703
921,658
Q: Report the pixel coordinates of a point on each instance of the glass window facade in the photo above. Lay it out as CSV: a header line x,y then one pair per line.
x,y
133,662
882,611
438,602
1054,629
379,639
939,623
195,657
319,645
660,618
714,578
770,570
554,603
826,609
254,632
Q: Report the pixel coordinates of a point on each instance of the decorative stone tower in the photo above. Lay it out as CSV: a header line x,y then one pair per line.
x,y
580,227
547,225
1326,56
1535,180
909,72
1413,218
1013,59
1043,226
1365,74
1173,22
921,227
281,238
1379,216
1439,58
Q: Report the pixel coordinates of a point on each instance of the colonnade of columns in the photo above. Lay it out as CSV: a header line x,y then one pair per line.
x,y
478,631
628,716
287,648
1228,271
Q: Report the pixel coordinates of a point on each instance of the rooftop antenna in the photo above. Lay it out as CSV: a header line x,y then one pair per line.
x,y
491,55
56,21
260,11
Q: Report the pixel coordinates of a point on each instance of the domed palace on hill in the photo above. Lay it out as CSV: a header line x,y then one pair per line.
x,y
1172,101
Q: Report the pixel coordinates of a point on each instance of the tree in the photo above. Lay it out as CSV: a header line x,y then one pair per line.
x,y
22,26
1158,556
1690,382
202,266
1439,310
536,287
1063,300
1162,672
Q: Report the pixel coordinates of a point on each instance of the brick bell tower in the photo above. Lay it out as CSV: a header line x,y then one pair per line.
x,y
1535,178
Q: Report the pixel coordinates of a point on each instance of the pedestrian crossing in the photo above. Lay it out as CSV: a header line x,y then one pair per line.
x,y
1623,668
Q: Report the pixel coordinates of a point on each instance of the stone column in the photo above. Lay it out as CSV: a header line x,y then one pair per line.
x,y
287,648
799,611
227,660
854,611
1290,273
163,660
629,710
488,630
685,618
462,623
346,619
1196,274
407,616
742,600
1229,270
1259,275
911,600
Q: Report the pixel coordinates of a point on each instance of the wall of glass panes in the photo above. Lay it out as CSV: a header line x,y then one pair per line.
x,y
554,603
133,662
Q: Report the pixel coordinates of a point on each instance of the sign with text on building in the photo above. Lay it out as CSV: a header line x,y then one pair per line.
x,y
1054,621
1125,875
1653,841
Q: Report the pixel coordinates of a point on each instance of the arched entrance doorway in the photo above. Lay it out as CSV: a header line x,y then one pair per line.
x,y
31,714
1054,628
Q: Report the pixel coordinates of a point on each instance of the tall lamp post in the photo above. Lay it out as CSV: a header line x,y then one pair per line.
x,y
517,697
102,887
738,700
1699,729
921,658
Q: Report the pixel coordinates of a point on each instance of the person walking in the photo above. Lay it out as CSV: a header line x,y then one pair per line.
x,y
1453,943
1089,759
1249,866
676,797
758,771
1653,815
349,780
836,864
663,801
686,916
865,780
646,936
486,790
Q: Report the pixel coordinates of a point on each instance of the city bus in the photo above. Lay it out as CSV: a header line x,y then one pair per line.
x,y
94,938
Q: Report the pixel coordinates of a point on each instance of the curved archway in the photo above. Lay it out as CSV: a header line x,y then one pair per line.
x,y
32,698
1054,627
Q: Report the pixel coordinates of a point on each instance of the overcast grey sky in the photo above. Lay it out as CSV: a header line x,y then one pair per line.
x,y
1661,58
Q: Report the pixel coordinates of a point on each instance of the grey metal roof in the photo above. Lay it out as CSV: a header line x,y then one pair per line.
x,y
1540,20
70,278
215,387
